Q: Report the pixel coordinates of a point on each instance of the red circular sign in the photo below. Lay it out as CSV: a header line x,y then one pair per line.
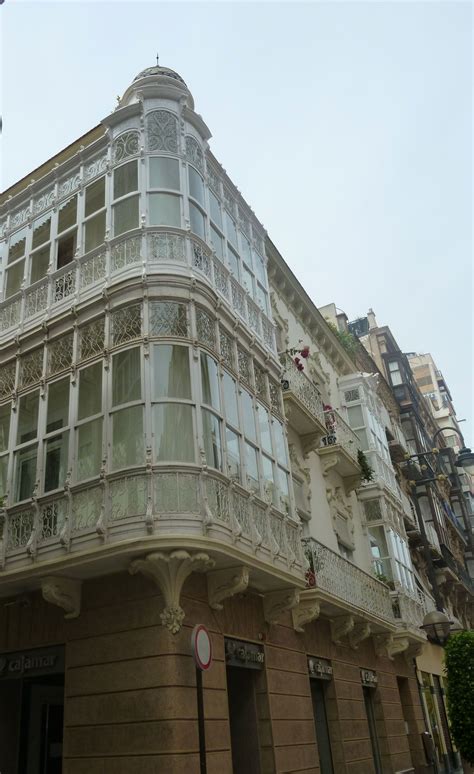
x,y
202,647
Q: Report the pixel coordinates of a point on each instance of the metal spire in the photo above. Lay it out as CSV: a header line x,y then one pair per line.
x,y
157,60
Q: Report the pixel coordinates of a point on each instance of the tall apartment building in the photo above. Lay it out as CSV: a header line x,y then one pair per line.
x,y
166,460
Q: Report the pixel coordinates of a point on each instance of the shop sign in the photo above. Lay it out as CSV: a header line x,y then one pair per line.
x,y
319,668
31,663
368,678
244,654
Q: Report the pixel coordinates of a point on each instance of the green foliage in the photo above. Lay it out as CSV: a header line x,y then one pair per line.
x,y
367,472
348,341
459,665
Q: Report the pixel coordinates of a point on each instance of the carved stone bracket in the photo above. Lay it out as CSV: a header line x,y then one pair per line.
x,y
359,633
387,645
305,612
223,584
351,483
328,463
169,571
64,592
340,628
275,603
414,650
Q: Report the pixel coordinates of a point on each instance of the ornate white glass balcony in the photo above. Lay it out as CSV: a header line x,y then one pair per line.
x,y
339,448
303,405
409,608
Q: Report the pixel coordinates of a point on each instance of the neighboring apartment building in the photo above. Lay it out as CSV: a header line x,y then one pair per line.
x,y
157,471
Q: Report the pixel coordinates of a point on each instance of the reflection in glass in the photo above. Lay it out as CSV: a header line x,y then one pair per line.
x,y
89,449
90,391
58,405
56,462
209,381
212,439
126,376
172,378
173,431
28,417
128,441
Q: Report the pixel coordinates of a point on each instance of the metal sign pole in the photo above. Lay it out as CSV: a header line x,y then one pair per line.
x,y
202,733
202,651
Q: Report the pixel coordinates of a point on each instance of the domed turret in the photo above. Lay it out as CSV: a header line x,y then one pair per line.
x,y
169,82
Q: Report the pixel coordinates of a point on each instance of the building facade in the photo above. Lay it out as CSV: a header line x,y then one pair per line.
x,y
165,462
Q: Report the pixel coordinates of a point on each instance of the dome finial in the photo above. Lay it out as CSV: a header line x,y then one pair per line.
x,y
157,60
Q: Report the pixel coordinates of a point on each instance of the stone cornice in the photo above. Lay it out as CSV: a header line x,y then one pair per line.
x,y
121,114
286,285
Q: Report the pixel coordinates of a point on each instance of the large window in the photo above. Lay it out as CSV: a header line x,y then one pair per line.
x,y
15,262
125,194
173,428
94,213
127,422
41,247
67,232
27,452
89,428
395,372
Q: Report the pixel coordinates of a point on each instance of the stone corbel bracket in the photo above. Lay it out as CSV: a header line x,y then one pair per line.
x,y
276,603
387,645
169,571
64,592
341,627
223,584
305,612
414,650
351,483
360,632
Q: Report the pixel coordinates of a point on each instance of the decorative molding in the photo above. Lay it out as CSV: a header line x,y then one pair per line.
x,y
414,650
223,584
304,612
63,592
275,603
388,646
360,632
169,571
341,627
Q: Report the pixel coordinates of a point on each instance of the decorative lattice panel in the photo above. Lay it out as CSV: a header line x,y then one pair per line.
x,y
127,324
168,318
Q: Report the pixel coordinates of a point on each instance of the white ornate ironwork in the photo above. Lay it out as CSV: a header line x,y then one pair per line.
x,y
410,607
125,253
96,167
245,372
347,582
60,354
176,493
253,316
7,378
268,333
65,285
260,382
166,247
20,527
227,349
124,146
201,260
238,298
92,270
194,153
43,202
10,314
214,179
66,187
31,367
301,386
86,508
206,328
339,433
168,318
162,131
275,395
127,323
53,516
36,299
92,339
128,497
20,217
221,278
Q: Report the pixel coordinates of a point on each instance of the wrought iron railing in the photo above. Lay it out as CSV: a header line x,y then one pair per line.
x,y
339,434
143,251
302,387
410,607
347,582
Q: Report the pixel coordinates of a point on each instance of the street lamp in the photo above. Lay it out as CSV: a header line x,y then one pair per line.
x,y
465,460
437,627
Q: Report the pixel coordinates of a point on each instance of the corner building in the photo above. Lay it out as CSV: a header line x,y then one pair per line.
x,y
147,484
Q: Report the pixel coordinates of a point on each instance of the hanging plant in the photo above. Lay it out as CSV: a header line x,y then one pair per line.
x,y
296,352
459,666
367,472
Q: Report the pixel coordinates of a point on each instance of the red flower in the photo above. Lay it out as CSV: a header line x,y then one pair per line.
x,y
310,579
304,352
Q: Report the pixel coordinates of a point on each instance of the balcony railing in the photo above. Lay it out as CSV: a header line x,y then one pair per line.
x,y
338,433
307,412
168,503
410,607
432,537
342,580
145,251
383,472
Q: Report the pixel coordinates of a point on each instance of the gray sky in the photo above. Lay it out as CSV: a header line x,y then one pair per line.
x,y
346,125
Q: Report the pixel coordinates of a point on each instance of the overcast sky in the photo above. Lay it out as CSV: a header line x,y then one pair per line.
x,y
347,127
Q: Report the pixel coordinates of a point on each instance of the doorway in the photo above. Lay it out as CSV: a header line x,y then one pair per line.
x,y
243,721
318,696
370,711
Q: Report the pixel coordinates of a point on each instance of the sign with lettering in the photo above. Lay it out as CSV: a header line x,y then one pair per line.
x,y
43,661
368,678
244,654
319,668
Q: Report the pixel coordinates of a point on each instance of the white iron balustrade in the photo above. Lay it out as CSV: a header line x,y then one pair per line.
x,y
145,251
342,580
338,433
410,608
305,404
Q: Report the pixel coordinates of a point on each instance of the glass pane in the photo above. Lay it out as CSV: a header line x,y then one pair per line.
x,y
5,414
66,249
259,268
216,213
172,378
251,467
56,462
197,220
264,425
362,436
230,399
95,197
279,436
90,391
67,214
164,210
128,440
246,250
40,263
126,215
3,475
25,473
231,230
212,439
17,245
94,232
247,280
14,278
262,298
28,417
284,491
356,417
89,449
217,243
248,416
126,376
209,381
173,431
269,492
41,231
125,179
164,173
233,260
233,454
196,185
58,405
